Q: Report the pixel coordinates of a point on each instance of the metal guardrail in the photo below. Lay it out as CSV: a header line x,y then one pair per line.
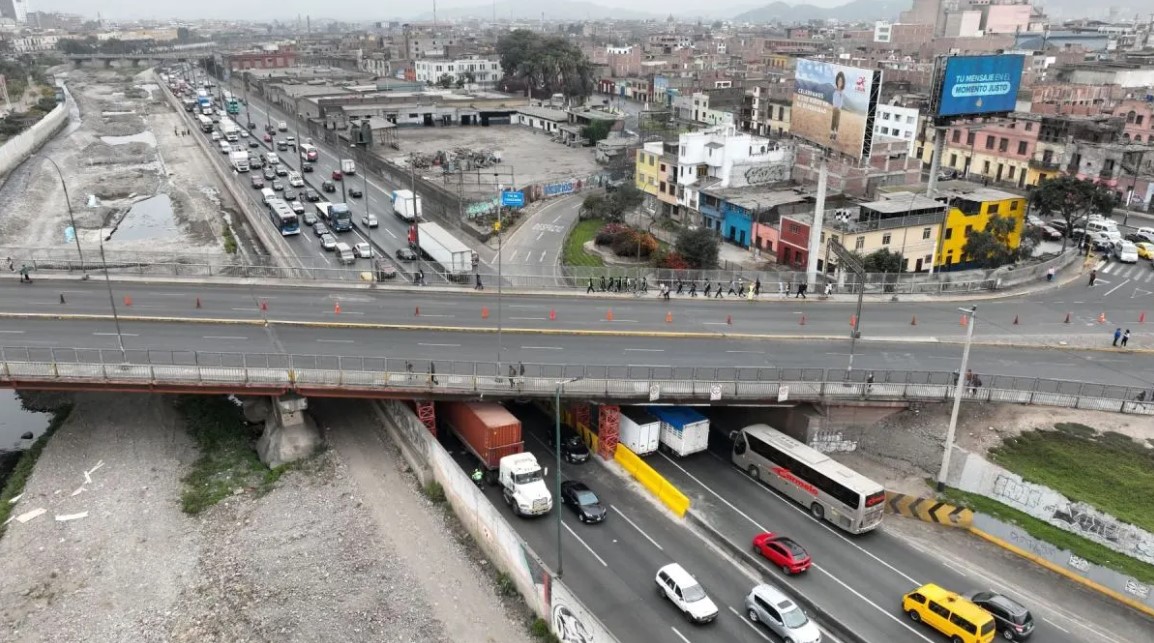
x,y
28,366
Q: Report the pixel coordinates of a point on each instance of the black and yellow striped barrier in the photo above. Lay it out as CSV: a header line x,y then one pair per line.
x,y
928,510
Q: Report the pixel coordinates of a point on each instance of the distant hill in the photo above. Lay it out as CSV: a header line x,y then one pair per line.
x,y
534,9
856,11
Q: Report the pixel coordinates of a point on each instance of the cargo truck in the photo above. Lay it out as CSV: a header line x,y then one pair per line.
x,y
229,130
493,435
406,206
640,430
348,166
684,431
445,249
239,160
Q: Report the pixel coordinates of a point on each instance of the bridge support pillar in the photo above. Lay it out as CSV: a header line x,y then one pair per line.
x,y
608,430
289,433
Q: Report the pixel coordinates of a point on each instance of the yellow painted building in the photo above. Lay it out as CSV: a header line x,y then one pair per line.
x,y
970,210
647,175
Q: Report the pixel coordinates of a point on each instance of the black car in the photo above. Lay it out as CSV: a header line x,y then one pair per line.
x,y
319,228
1012,620
312,196
582,500
329,186
307,167
573,448
310,218
282,146
252,142
289,194
355,193
257,181
406,254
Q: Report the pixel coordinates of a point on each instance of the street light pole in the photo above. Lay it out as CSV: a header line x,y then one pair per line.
x,y
972,315
71,218
557,455
112,301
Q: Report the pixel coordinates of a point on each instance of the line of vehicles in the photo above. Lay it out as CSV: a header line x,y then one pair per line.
x,y
1101,234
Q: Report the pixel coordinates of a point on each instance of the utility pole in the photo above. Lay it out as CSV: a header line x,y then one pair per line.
x,y
971,314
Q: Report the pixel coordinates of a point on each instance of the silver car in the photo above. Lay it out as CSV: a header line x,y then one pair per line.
x,y
769,605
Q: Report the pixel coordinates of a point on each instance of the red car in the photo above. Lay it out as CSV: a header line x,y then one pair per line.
x,y
784,553
268,138
337,175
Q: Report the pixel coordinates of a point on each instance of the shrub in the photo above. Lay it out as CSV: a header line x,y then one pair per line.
x,y
631,243
609,233
672,261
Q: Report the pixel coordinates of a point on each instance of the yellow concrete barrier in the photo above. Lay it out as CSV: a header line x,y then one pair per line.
x,y
928,510
668,494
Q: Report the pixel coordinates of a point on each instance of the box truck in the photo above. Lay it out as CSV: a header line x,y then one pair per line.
x,y
348,166
684,431
442,247
640,430
493,435
405,205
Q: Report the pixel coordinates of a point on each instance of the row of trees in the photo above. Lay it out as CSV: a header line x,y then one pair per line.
x,y
546,65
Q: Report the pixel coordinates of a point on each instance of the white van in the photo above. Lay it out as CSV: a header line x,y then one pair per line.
x,y
267,194
345,253
282,126
225,148
271,158
1100,225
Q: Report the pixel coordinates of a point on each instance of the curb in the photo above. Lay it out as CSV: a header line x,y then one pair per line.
x,y
1081,580
835,626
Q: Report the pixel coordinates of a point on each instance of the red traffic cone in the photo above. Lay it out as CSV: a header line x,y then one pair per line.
x,y
852,321
914,321
336,308
263,305
484,312
417,311
127,300
1142,317
964,321
609,315
669,317
552,314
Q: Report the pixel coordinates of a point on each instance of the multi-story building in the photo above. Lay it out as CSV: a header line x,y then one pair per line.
x,y
279,58
905,223
750,215
970,209
766,110
1139,115
472,72
897,122
656,177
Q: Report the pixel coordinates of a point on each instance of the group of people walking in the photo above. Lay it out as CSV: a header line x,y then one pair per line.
x,y
716,290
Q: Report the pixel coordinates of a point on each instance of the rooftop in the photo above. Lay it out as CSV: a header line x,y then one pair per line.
x,y
756,198
546,113
900,202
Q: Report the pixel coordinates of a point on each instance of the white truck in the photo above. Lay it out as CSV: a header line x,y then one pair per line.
x,y
239,160
348,166
523,485
445,249
229,130
406,205
684,431
640,430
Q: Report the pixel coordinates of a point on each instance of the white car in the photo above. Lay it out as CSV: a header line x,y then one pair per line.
x,y
243,133
363,250
1145,234
369,220
297,207
1126,252
683,590
296,180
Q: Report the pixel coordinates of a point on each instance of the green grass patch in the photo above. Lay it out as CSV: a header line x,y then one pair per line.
x,y
1075,544
228,459
23,469
574,252
1109,472
229,240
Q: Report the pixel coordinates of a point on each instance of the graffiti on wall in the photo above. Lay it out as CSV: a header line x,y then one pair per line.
x,y
1013,492
832,442
481,208
1079,517
571,622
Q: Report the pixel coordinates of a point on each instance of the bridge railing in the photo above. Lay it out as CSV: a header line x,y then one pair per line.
x,y
337,374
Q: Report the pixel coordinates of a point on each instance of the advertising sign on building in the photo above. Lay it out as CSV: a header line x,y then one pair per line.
x,y
979,85
833,106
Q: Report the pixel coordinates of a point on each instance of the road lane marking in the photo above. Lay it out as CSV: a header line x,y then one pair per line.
x,y
12,332
336,341
716,324
748,352
434,315
539,235
246,310
225,337
1107,294
623,321
391,233
679,635
527,318
583,543
639,530
753,626
437,345
543,253
116,334
532,348
1057,626
645,350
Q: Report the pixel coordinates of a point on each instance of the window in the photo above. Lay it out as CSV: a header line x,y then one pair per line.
x,y
926,233
993,209
953,160
1021,147
1029,127
970,138
939,610
885,130
886,239
949,233
986,167
1014,205
1010,174
859,244
963,624
1003,144
1138,119
990,140
885,116
957,136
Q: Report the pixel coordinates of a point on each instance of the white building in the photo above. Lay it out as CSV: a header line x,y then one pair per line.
x,y
695,107
897,122
883,31
16,10
722,157
484,73
26,44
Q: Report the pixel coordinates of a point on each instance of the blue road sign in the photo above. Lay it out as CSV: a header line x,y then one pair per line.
x,y
513,199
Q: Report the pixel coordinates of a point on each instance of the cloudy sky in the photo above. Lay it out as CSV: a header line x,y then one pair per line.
x,y
360,10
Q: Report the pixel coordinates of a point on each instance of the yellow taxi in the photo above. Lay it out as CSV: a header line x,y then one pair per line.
x,y
950,614
1145,249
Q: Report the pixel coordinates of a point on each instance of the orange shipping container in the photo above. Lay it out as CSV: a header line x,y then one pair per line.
x,y
488,430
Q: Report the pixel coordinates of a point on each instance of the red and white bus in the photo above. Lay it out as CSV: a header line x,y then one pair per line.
x,y
830,490
309,152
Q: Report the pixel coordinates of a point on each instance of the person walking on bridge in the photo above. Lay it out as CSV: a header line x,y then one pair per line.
x,y
1093,277
693,289
590,288
708,287
1117,336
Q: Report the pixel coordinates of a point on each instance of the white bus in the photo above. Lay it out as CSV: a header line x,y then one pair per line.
x,y
283,217
205,123
828,489
309,152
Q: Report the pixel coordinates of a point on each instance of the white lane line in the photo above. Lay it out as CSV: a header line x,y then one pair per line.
x,y
391,233
527,318
539,235
623,321
583,543
1055,625
543,253
639,529
537,348
752,626
439,345
716,324
115,334
679,635
167,294
525,306
246,310
349,312
11,332
509,258
957,569
227,337
432,315
645,350
1116,288
336,341
747,352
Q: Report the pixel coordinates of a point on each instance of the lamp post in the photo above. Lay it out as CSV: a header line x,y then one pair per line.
x,y
972,315
557,453
111,299
499,231
71,218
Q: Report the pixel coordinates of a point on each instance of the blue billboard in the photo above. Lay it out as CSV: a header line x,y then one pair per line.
x,y
975,85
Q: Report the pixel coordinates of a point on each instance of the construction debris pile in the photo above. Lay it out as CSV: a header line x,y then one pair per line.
x,y
461,159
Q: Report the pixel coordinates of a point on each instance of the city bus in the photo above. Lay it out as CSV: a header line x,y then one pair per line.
x,y
283,217
205,123
309,152
830,490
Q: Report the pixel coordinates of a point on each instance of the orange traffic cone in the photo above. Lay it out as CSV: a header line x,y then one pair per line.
x,y
964,321
337,308
484,312
1102,318
609,315
127,300
552,314
914,321
1142,317
852,321
669,317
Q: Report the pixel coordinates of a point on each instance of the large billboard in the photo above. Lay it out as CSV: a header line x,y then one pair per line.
x,y
979,85
833,106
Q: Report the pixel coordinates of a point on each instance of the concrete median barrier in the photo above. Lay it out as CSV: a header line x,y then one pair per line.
x,y
654,482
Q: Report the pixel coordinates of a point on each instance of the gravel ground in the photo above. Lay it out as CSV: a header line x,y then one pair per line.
x,y
114,103
316,559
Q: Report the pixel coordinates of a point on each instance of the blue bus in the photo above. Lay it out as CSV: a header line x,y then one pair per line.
x,y
283,217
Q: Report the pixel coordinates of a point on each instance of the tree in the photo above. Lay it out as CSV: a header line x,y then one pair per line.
x,y
698,247
547,65
990,247
593,207
445,81
597,131
1073,199
621,200
883,260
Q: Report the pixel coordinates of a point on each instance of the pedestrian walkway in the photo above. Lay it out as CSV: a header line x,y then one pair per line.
x,y
1141,272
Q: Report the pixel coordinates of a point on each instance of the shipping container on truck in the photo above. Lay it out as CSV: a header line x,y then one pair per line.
x,y
405,205
445,249
684,431
488,430
640,430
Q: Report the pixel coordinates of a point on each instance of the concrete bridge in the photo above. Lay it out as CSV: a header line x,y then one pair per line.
x,y
148,58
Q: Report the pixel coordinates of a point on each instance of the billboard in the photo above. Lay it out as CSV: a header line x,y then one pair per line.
x,y
833,106
977,85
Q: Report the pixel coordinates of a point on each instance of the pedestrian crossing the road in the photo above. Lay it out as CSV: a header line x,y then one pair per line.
x,y
1132,280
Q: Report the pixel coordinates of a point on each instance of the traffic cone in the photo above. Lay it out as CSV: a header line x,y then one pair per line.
x,y
1067,319
1015,320
964,321
484,312
198,302
802,322
336,308
853,321
417,311
62,298
552,314
263,304
1141,316
669,317
729,320
914,321
1102,318
127,300
609,315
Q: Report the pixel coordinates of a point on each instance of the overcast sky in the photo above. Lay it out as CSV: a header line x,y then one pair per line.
x,y
354,10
